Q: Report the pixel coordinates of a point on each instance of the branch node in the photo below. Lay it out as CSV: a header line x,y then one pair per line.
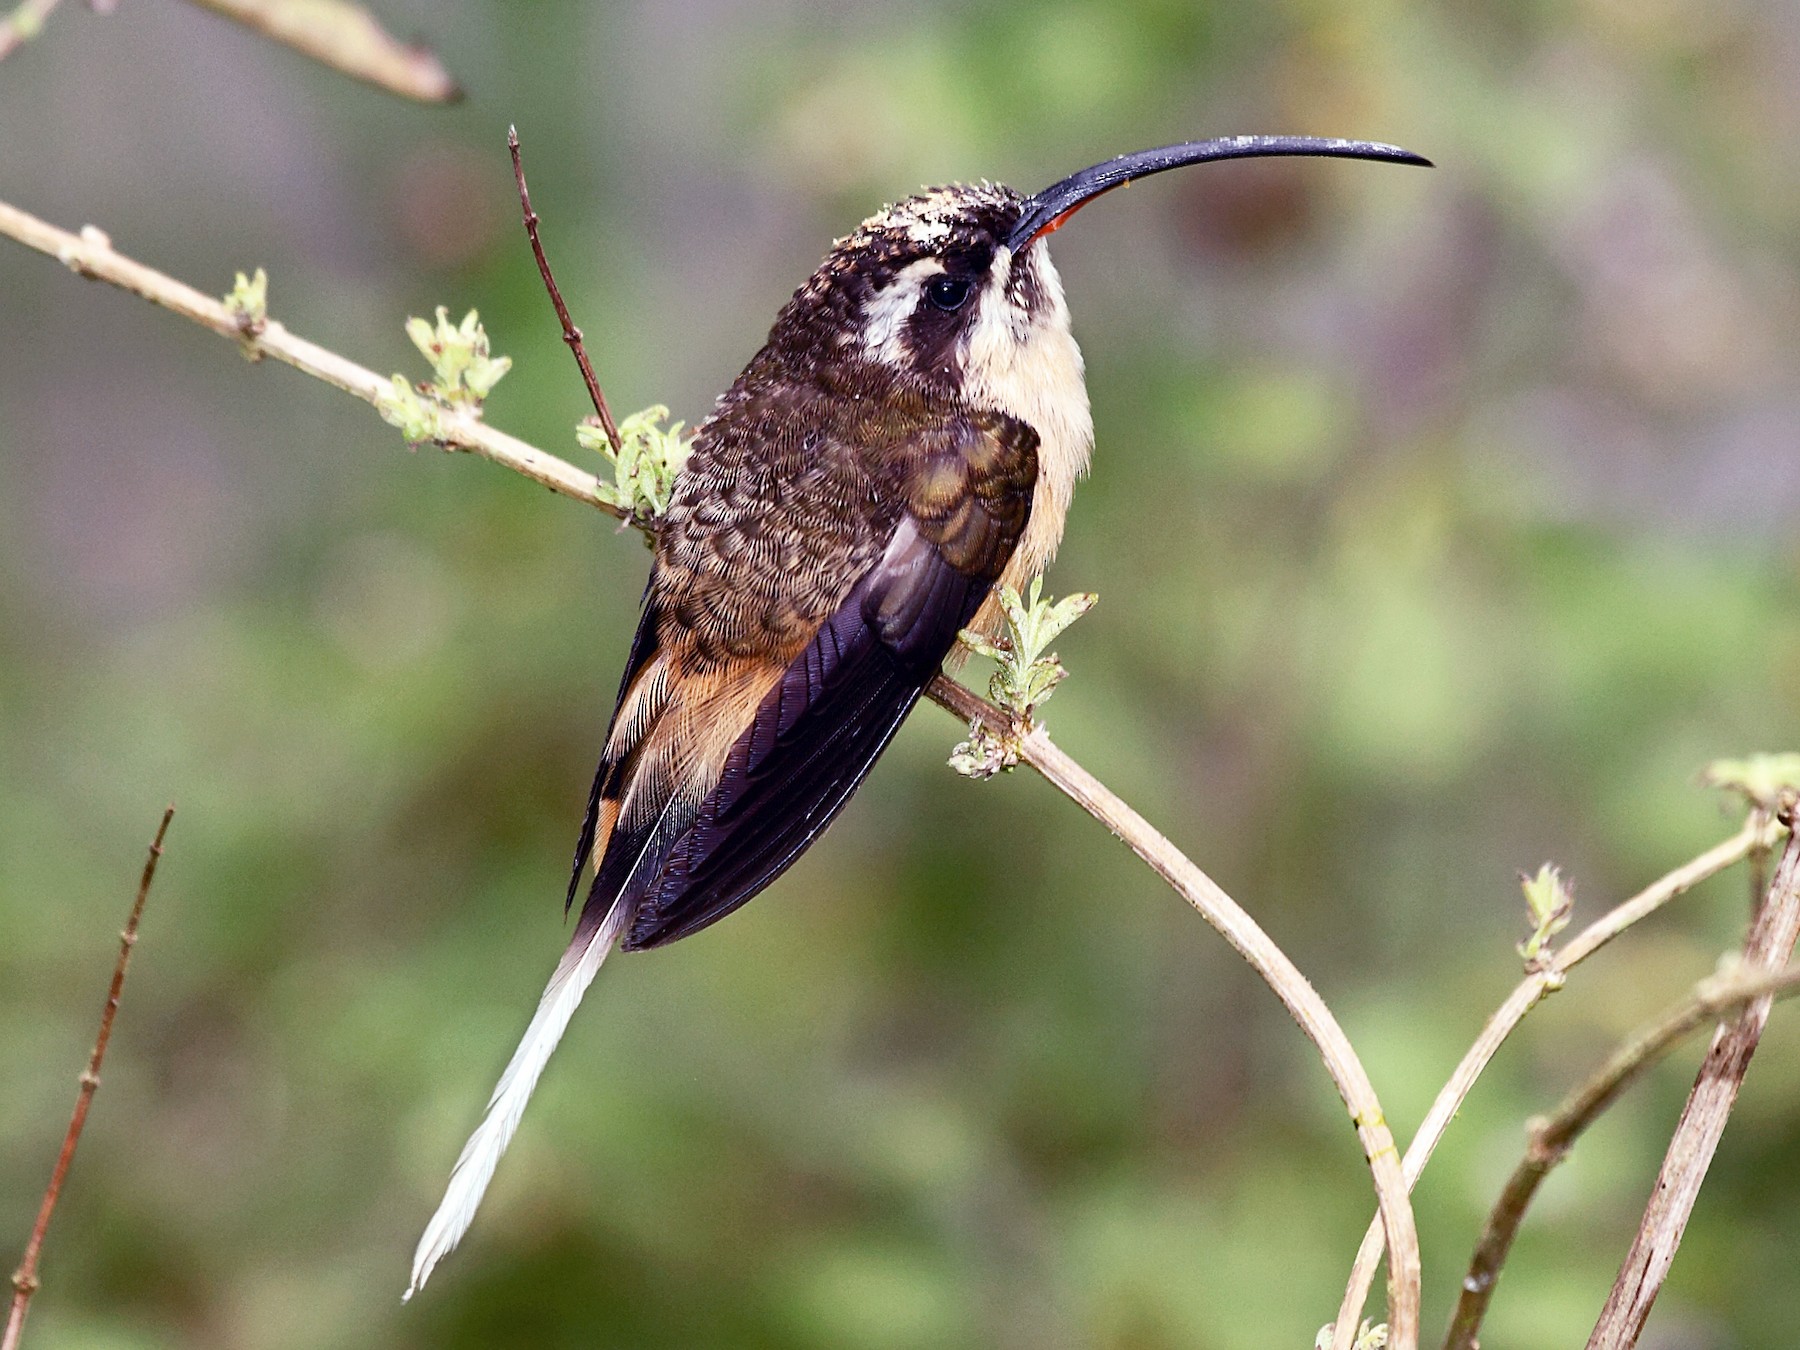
x,y
1541,1148
70,255
248,304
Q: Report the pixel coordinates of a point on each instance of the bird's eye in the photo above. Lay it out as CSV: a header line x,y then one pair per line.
x,y
948,293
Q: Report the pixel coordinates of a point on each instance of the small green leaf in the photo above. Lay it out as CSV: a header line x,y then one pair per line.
x,y
419,417
465,374
1550,900
248,302
644,467
1026,672
980,645
464,368
1762,780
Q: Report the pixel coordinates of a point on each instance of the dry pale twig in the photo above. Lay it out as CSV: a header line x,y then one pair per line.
x,y
1769,947
347,38
1551,1138
23,24
1269,961
571,334
25,1278
1759,832
91,254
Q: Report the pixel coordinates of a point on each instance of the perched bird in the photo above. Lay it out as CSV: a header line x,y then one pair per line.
x,y
908,437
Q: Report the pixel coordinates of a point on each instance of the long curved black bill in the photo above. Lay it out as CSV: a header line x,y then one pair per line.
x,y
1055,204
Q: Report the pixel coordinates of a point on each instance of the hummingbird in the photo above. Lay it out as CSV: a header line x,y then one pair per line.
x,y
905,442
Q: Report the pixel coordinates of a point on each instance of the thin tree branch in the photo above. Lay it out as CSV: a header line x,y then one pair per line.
x,y
25,1278
571,334
1549,1139
1769,947
23,24
1269,961
347,38
1760,832
92,255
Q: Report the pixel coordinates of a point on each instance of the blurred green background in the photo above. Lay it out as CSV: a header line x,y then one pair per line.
x,y
1443,523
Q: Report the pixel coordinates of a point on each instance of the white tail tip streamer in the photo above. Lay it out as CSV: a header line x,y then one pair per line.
x,y
481,1155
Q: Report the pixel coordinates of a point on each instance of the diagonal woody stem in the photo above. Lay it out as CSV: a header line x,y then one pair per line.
x,y
91,254
570,333
25,1278
1250,942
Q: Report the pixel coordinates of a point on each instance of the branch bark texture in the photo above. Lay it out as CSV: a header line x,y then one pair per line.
x,y
1770,945
25,1278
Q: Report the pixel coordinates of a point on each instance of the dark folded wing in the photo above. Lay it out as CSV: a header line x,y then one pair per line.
x,y
814,738
964,486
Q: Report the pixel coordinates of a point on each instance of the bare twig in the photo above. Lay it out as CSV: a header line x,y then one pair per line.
x,y
23,24
92,255
1269,961
347,38
1551,1138
1759,832
25,1278
1769,947
571,334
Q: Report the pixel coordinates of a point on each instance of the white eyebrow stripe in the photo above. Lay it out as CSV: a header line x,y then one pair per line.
x,y
888,310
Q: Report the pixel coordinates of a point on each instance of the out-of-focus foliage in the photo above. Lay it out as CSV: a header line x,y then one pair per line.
x,y
1446,523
